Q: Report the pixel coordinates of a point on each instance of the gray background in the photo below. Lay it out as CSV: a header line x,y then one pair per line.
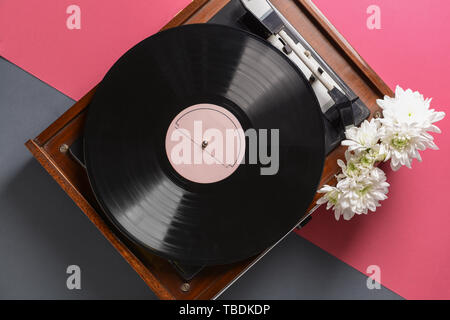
x,y
42,231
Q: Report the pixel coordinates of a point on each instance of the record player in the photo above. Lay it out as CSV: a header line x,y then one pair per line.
x,y
344,88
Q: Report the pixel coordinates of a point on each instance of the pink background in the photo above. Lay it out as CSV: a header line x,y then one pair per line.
x,y
408,237
34,36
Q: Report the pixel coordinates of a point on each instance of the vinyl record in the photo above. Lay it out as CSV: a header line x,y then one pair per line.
x,y
230,79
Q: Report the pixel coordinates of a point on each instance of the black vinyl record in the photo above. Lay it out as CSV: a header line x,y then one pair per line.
x,y
129,170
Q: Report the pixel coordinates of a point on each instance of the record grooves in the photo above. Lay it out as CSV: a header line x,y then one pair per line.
x,y
133,179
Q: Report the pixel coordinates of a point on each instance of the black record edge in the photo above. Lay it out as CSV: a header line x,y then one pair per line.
x,y
111,217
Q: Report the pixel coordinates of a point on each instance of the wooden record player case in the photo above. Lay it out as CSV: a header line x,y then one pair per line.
x,y
50,148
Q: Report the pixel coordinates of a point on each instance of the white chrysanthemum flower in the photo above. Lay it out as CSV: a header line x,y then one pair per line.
x,y
364,137
363,144
407,119
399,136
363,194
358,164
332,199
355,196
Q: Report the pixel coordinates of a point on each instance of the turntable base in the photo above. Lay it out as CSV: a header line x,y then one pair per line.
x,y
51,149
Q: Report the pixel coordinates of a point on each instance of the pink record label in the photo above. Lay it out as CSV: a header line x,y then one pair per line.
x,y
205,143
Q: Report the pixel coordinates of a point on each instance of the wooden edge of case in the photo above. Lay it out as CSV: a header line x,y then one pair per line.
x,y
50,147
